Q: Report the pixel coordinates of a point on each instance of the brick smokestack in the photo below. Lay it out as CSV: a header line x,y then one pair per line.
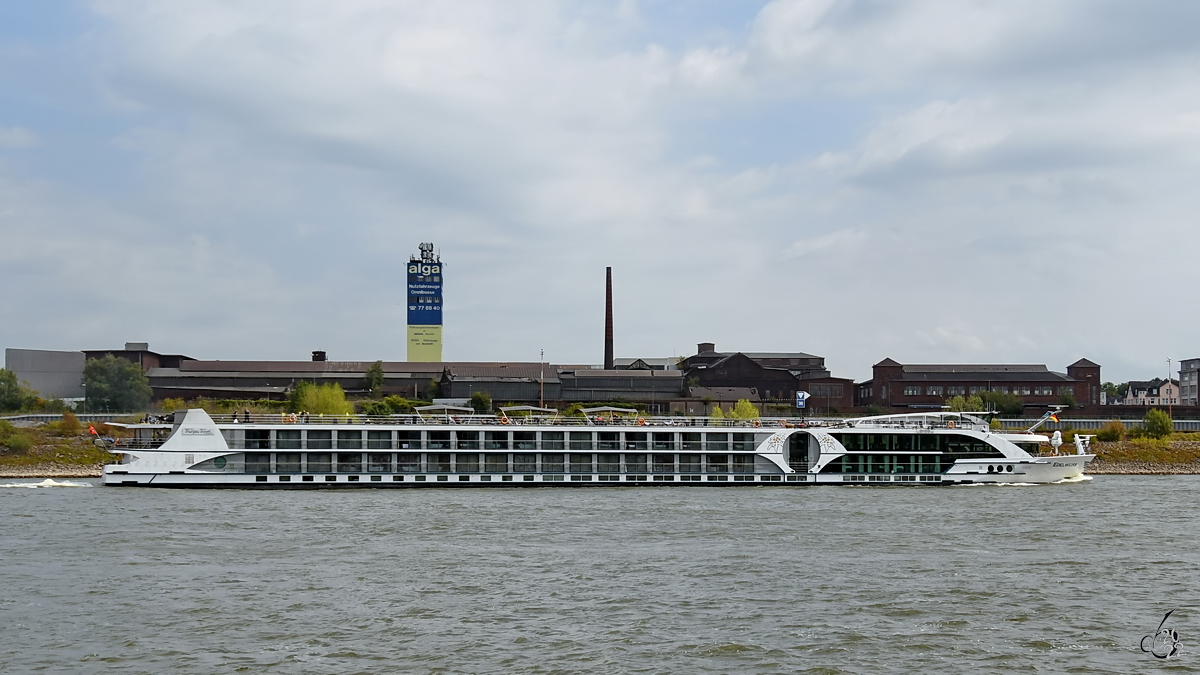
x,y
608,328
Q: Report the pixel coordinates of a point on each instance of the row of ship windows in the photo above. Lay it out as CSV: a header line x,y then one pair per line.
x,y
875,464
322,439
949,443
354,462
486,478
954,390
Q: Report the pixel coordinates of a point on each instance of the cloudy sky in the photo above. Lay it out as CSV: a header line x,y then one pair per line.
x,y
932,181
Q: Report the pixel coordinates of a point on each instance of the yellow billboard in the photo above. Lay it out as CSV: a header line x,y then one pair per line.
x,y
425,344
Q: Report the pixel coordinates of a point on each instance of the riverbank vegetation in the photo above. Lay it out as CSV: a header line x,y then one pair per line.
x,y
53,448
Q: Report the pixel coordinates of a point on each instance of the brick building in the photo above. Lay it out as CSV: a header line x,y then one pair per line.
x,y
897,385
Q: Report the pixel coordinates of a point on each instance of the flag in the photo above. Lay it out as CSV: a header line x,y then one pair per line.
x,y
1053,417
92,430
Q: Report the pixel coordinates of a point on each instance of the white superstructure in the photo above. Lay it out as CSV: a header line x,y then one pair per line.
x,y
285,451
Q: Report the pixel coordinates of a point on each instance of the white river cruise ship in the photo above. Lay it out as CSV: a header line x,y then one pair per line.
x,y
442,446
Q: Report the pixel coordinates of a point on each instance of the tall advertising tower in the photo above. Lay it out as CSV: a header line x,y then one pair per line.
x,y
425,306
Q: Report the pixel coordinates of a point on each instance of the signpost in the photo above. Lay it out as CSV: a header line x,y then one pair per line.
x,y
801,399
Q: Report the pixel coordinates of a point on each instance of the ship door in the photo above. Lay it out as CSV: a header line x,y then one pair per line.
x,y
797,455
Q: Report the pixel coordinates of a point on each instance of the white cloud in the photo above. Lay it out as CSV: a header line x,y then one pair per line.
x,y
18,137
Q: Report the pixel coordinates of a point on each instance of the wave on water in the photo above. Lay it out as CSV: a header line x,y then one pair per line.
x,y
996,484
1074,479
49,482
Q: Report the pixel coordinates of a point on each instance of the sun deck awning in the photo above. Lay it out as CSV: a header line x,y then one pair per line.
x,y
609,409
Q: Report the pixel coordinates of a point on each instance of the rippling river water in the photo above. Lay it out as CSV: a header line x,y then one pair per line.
x,y
1050,578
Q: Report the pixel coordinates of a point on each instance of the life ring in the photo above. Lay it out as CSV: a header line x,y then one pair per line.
x,y
503,420
757,424
950,424
641,421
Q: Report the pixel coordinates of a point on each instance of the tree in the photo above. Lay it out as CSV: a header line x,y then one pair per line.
x,y
1157,424
717,413
115,385
481,401
373,379
744,410
13,395
970,404
1003,403
1114,391
319,399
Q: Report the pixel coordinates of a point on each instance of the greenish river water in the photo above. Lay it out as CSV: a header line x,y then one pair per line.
x,y
1055,578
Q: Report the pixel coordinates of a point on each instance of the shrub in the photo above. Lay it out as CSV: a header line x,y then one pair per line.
x,y
70,426
1157,424
172,404
1113,431
717,413
320,399
481,401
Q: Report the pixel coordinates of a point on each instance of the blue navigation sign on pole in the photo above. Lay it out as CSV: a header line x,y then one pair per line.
x,y
801,397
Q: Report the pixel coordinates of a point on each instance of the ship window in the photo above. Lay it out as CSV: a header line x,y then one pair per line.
x,y
496,463
718,463
635,463
582,440
287,462
287,439
879,442
258,439
524,463
743,463
635,441
438,463
320,462
467,440
466,463
743,441
524,440
379,440
349,440
552,463
495,440
349,462
553,440
904,443
408,440
610,440
664,463
258,462
379,462
408,462
581,463
689,463
320,439
691,442
438,440
719,442
664,441
609,463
